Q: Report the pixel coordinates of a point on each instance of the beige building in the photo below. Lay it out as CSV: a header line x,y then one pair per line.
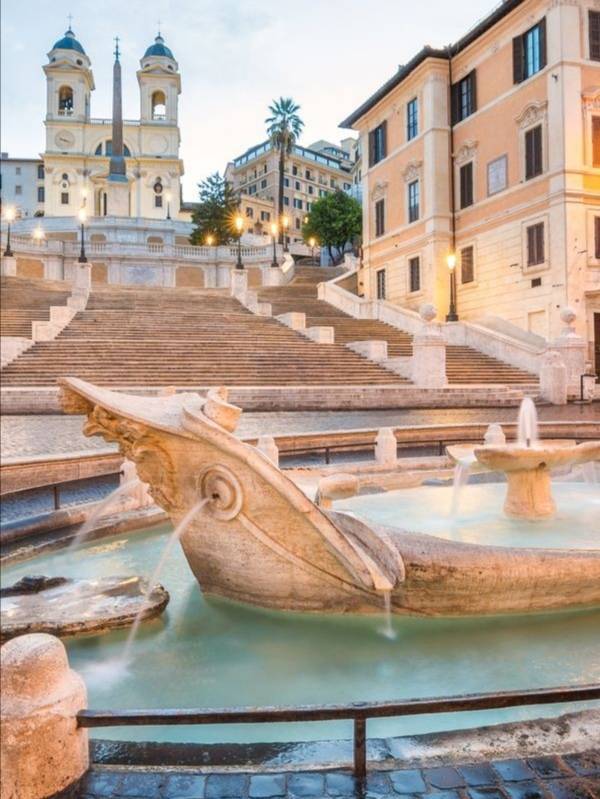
x,y
79,146
490,151
311,172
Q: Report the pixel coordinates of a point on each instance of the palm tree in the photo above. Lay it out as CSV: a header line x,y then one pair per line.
x,y
284,126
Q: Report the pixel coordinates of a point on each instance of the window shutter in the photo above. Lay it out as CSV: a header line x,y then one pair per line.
x,y
540,243
530,245
594,34
384,139
596,141
455,103
543,56
518,57
473,81
537,150
597,236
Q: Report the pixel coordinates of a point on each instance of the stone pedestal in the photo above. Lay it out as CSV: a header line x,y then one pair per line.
x,y
267,445
54,268
529,494
82,279
239,283
42,749
429,352
554,379
572,349
8,265
117,197
386,447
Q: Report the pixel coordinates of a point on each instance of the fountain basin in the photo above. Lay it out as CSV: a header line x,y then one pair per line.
x,y
259,539
76,606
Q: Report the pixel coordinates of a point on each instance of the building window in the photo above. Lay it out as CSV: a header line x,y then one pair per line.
x,y
286,182
380,217
158,200
65,101
308,174
286,200
297,185
322,193
159,105
249,211
333,183
41,194
529,52
17,170
597,237
252,189
158,193
378,144
467,265
18,189
263,184
64,198
380,275
311,190
412,119
533,152
464,98
413,201
40,171
535,244
596,141
347,186
265,216
297,203
594,34
297,224
414,274
466,185
294,169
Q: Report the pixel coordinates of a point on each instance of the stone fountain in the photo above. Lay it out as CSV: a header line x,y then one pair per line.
x,y
260,539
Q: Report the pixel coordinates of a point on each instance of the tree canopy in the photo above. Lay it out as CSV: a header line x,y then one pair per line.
x,y
334,220
284,126
215,212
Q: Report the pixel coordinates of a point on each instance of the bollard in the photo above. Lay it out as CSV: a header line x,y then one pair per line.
x,y
386,447
43,751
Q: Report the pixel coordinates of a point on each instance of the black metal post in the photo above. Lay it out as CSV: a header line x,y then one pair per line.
x,y
8,252
82,259
360,749
452,316
239,264
274,262
168,209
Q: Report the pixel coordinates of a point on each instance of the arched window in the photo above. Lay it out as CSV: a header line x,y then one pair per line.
x,y
65,101
159,105
105,148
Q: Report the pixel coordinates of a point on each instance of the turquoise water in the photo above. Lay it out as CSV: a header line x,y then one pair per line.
x,y
479,519
208,653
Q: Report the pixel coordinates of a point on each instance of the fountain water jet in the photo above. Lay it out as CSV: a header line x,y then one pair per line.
x,y
99,511
527,424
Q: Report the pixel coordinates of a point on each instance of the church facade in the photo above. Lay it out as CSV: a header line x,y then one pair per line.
x,y
79,147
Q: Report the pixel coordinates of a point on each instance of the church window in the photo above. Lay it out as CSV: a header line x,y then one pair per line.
x,y
159,105
65,101
40,172
65,177
158,189
64,198
40,194
105,148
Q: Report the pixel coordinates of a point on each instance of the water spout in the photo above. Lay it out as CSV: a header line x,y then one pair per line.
x,y
100,510
388,630
461,478
527,424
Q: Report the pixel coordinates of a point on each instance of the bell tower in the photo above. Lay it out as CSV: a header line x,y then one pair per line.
x,y
160,84
69,81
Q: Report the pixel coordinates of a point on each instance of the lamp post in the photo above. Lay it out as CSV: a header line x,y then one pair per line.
x,y
239,226
168,198
452,316
285,223
9,215
312,241
82,217
274,232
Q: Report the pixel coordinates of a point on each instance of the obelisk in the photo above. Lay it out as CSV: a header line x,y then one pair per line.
x,y
117,187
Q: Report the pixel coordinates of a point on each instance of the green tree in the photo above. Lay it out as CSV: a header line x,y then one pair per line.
x,y
215,212
284,127
334,220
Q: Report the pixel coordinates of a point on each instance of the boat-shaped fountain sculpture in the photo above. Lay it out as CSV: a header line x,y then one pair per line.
x,y
258,538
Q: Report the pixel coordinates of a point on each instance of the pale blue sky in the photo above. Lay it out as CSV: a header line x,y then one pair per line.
x,y
234,57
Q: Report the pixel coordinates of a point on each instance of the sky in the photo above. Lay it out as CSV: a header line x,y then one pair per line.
x,y
234,58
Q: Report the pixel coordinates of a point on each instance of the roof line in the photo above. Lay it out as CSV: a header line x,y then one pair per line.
x,y
500,11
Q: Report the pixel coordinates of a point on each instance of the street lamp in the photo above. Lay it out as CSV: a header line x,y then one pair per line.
x,y
285,223
9,215
452,316
274,232
168,197
82,217
239,226
312,241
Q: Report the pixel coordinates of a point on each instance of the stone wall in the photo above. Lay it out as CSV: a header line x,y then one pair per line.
x,y
30,267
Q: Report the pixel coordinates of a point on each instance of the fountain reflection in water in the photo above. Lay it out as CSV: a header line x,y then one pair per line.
x,y
527,425
108,672
100,510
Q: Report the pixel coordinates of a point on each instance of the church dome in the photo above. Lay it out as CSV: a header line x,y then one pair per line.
x,y
159,48
68,42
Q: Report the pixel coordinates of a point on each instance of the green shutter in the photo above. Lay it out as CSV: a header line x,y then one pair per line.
x,y
518,59
543,54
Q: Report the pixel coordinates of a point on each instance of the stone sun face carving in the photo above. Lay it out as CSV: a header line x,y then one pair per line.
x,y
258,539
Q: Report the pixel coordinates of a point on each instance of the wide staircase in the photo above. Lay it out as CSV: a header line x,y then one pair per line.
x,y
133,337
463,364
24,301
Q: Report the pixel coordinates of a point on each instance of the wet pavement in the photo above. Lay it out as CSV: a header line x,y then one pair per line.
x,y
44,435
575,776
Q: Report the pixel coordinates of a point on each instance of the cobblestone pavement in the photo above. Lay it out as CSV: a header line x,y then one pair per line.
x,y
43,435
567,777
